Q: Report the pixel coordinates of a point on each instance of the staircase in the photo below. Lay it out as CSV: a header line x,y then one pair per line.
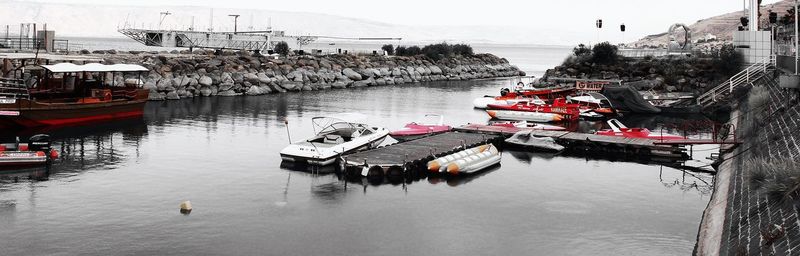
x,y
749,75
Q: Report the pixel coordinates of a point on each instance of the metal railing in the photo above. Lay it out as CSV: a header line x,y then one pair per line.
x,y
14,89
747,76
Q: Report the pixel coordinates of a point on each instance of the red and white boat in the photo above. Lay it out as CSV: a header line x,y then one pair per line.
x,y
620,130
569,112
21,155
525,116
414,131
594,102
534,95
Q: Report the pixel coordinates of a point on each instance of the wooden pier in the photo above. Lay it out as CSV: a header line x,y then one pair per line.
x,y
401,158
601,145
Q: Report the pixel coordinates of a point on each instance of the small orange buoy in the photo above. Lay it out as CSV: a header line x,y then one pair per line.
x,y
53,154
186,207
40,153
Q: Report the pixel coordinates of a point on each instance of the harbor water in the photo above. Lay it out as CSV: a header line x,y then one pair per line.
x,y
117,188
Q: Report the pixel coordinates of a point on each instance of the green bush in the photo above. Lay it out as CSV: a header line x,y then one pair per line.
x,y
605,53
727,61
282,48
463,50
437,51
388,48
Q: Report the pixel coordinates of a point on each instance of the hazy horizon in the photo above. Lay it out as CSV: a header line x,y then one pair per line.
x,y
499,23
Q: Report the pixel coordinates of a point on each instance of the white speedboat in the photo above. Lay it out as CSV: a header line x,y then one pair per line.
x,y
339,134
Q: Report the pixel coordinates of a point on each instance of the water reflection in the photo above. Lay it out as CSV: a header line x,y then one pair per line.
x,y
82,148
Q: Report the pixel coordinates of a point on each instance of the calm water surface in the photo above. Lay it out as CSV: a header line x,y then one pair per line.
x,y
117,190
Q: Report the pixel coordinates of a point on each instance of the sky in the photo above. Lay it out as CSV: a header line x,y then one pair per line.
x,y
641,17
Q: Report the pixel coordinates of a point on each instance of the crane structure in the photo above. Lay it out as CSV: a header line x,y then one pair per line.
x,y
245,40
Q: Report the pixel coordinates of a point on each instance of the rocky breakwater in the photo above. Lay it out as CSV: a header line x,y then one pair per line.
x,y
177,77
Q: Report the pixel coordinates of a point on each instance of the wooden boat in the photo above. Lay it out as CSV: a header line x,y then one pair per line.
x,y
525,116
21,155
69,94
414,131
620,130
569,112
338,134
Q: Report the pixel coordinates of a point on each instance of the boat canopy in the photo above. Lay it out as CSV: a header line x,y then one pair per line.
x,y
93,67
329,122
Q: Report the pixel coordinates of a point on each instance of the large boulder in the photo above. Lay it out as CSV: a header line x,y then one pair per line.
x,y
173,95
352,74
206,81
254,90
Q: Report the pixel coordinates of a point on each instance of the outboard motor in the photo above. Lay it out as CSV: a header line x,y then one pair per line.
x,y
40,142
504,91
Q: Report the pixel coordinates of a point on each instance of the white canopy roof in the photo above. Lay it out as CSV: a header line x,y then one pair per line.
x,y
356,118
93,67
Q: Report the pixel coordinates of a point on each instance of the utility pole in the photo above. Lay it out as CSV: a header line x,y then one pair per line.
x,y
796,23
163,16
235,20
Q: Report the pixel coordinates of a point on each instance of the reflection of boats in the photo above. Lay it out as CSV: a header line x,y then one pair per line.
x,y
620,130
339,134
414,131
526,140
525,116
69,94
35,153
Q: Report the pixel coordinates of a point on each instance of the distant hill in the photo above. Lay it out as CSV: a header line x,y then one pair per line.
x,y
721,26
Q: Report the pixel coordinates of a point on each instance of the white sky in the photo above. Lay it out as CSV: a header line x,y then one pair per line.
x,y
641,17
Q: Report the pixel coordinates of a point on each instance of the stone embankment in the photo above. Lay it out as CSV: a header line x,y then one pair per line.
x,y
175,77
741,219
671,74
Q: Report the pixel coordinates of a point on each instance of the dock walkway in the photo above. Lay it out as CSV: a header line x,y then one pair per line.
x,y
599,144
406,156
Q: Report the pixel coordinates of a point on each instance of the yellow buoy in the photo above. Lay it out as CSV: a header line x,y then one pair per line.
x,y
186,207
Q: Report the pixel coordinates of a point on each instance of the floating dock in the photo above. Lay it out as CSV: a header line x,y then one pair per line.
x,y
600,145
401,158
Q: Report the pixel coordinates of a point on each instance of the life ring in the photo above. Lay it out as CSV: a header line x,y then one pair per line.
x,y
107,96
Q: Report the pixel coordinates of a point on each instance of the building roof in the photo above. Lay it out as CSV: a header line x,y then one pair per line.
x,y
93,67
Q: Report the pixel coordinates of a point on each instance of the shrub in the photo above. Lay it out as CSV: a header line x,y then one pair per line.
x,y
282,48
437,51
388,48
604,53
581,50
463,50
778,178
727,61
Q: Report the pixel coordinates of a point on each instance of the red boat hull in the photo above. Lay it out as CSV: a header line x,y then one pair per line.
x,y
569,111
30,113
640,133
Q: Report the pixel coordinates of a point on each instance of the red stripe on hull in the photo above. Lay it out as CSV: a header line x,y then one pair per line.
x,y
79,120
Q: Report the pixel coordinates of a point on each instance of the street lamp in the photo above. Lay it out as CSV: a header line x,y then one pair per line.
x,y
235,20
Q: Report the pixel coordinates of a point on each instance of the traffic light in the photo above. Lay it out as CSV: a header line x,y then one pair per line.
x,y
599,23
622,27
744,21
773,17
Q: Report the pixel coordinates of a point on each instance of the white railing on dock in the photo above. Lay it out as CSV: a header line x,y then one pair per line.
x,y
747,76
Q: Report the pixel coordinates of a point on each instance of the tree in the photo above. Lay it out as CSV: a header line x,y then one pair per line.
x,y
727,61
282,48
604,53
388,48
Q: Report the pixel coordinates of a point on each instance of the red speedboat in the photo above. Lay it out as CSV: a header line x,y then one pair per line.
x,y
620,130
570,112
414,131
